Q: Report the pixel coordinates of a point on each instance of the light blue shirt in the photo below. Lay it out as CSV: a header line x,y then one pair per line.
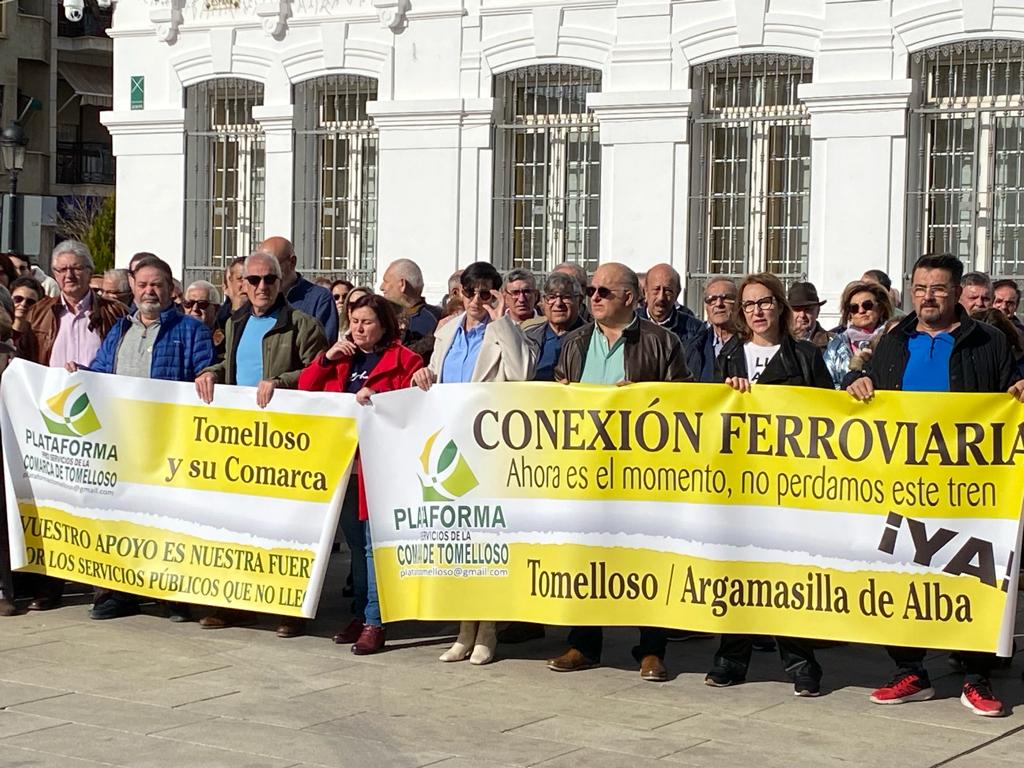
x,y
928,365
462,354
249,357
604,364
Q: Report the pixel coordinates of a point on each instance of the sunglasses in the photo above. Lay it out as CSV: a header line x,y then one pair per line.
x,y
602,292
854,308
724,298
201,304
255,280
338,296
24,300
485,295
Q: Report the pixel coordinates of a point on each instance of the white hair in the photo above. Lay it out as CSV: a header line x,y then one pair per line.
x,y
121,276
79,249
410,271
212,294
268,258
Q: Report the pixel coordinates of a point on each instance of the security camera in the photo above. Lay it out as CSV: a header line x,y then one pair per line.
x,y
73,9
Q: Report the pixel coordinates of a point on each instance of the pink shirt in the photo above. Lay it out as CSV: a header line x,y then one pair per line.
x,y
74,342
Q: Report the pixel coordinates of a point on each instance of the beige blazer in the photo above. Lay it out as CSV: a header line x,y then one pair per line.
x,y
505,352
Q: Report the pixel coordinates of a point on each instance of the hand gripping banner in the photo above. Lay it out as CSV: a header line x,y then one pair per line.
x,y
136,485
783,511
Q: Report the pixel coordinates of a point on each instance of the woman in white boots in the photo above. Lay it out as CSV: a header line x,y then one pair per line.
x,y
481,344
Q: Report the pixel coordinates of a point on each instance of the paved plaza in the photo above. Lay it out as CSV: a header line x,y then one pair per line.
x,y
143,692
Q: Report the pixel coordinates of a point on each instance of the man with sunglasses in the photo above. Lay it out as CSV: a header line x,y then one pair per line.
x,y
702,350
202,302
267,344
661,292
618,348
68,328
305,296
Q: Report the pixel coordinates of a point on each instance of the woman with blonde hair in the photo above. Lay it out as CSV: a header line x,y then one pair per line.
x,y
346,307
866,309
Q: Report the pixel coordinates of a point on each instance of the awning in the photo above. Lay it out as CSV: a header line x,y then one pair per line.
x,y
95,85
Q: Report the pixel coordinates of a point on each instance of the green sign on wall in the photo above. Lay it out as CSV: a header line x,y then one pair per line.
x,y
138,91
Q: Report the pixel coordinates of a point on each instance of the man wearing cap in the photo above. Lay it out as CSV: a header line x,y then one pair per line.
x,y
803,298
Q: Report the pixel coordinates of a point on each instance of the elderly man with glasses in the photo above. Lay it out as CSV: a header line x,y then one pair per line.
x,y
268,342
202,301
63,329
703,348
618,348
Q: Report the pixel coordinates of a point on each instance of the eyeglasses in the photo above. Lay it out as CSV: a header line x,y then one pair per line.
x,y
939,291
764,304
24,300
73,270
485,295
554,298
338,296
853,308
602,292
201,304
520,293
255,280
724,298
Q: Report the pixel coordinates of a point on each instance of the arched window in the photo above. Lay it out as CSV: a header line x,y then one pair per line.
x,y
751,178
547,168
335,230
225,175
967,155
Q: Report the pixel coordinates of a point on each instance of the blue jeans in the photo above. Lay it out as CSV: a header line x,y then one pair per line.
x,y
352,528
372,601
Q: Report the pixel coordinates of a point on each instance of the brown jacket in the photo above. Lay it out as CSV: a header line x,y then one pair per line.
x,y
44,321
651,354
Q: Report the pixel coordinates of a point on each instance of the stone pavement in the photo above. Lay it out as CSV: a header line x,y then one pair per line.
x,y
142,692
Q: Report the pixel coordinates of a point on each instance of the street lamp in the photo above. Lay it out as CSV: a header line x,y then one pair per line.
x,y
12,148
12,151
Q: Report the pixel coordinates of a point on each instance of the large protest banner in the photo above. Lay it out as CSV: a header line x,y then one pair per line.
x,y
783,511
136,485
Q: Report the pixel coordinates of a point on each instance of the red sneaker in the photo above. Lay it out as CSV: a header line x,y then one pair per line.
x,y
906,686
978,698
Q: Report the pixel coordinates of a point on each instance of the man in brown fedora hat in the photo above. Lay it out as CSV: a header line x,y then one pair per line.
x,y
803,298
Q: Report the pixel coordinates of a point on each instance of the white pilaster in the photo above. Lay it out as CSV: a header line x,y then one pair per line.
x,y
277,124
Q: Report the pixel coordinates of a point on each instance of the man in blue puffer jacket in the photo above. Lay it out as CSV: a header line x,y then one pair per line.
x,y
155,342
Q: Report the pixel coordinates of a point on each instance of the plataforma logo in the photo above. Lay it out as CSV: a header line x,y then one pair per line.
x,y
68,414
445,475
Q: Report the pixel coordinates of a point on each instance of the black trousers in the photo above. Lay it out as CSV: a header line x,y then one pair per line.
x,y
797,655
977,666
589,642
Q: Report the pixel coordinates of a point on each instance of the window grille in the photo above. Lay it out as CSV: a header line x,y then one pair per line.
x,y
750,207
336,177
966,181
225,175
547,169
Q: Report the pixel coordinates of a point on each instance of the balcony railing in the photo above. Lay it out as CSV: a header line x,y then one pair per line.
x,y
84,163
93,24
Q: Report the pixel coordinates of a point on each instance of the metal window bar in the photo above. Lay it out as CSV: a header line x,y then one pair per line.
x,y
547,192
336,178
750,204
966,184
225,175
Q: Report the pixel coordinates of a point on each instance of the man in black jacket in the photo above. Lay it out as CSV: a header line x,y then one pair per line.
x,y
938,348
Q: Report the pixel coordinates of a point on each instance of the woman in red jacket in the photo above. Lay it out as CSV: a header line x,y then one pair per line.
x,y
369,360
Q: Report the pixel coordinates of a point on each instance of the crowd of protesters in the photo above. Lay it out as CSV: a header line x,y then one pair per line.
x,y
267,327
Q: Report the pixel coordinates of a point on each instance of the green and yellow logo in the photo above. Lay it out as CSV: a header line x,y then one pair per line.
x,y
69,414
445,475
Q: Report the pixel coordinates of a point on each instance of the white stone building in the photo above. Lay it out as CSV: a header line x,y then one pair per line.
x,y
811,138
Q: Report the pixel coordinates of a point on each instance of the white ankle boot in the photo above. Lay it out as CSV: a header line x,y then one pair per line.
x,y
486,642
463,644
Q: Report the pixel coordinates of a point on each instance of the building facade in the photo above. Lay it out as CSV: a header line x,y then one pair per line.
x,y
56,77
811,138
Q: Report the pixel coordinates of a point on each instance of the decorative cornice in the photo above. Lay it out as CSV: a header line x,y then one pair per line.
x,y
392,13
274,18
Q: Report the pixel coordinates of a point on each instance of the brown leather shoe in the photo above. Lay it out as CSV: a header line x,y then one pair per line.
x,y
370,640
653,670
520,632
350,634
7,607
223,618
43,604
571,661
291,626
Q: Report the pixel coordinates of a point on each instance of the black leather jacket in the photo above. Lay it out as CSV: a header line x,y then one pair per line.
x,y
796,364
